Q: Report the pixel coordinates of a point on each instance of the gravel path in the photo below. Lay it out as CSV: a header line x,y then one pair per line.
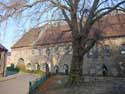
x,y
18,85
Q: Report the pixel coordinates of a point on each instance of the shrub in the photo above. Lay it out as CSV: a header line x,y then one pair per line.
x,y
12,68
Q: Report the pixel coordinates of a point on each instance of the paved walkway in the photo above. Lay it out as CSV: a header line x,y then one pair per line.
x,y
17,85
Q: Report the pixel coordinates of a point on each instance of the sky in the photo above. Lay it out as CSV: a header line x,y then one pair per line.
x,y
12,30
9,34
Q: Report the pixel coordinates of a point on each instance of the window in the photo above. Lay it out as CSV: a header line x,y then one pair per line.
x,y
122,49
29,66
107,50
48,51
66,68
37,66
56,67
20,61
93,53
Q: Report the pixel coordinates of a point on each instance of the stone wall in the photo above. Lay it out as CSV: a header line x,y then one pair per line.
x,y
99,56
55,55
60,54
3,56
24,53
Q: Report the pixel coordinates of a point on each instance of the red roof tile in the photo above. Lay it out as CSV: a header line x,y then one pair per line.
x,y
109,26
27,39
55,35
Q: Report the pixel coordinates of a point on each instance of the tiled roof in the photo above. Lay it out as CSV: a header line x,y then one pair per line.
x,y
55,35
109,26
112,26
27,39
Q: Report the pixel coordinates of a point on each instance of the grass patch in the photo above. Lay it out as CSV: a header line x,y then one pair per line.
x,y
38,72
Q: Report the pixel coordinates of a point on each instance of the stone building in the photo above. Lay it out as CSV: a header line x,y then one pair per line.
x,y
3,55
52,44
22,50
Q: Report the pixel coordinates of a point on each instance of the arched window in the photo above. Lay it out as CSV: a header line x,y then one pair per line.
x,y
93,53
48,51
37,66
66,68
56,69
20,61
122,49
20,64
29,66
107,50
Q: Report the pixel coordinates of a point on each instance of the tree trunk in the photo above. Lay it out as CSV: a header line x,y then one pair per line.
x,y
75,76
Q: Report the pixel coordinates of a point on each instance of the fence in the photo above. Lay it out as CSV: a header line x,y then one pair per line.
x,y
35,84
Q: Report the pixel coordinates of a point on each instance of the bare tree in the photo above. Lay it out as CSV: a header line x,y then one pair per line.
x,y
80,15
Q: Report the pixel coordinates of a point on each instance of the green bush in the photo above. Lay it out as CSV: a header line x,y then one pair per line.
x,y
12,68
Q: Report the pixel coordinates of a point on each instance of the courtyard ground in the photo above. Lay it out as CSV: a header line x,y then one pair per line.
x,y
92,85
19,84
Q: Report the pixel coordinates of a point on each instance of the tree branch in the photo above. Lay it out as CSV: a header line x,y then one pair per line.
x,y
91,14
94,7
110,10
89,45
101,3
61,6
66,17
